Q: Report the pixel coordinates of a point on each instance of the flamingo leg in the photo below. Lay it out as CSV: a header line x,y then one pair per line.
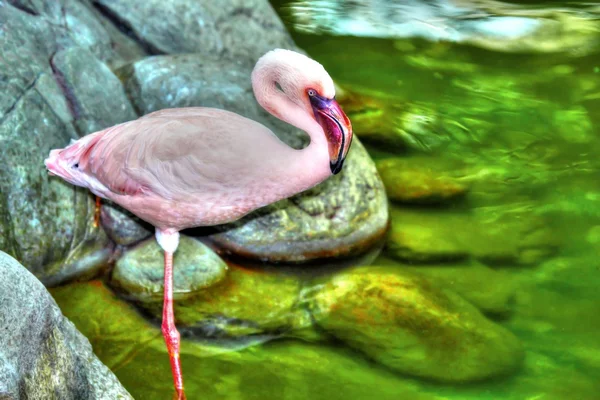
x,y
169,330
97,212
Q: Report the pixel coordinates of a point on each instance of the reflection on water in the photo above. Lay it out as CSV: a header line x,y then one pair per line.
x,y
490,24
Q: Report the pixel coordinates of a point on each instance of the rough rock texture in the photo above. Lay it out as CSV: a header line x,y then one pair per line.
x,y
401,321
87,82
140,271
46,98
241,28
42,355
342,216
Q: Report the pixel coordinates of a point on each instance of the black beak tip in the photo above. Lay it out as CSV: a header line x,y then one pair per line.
x,y
336,167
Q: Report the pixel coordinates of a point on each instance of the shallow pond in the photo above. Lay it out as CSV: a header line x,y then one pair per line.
x,y
483,120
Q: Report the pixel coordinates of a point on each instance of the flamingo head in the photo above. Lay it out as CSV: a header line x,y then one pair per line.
x,y
304,83
336,126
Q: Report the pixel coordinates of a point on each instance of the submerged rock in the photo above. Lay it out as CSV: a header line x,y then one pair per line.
x,y
413,181
343,216
493,236
491,291
399,320
42,355
244,304
288,369
140,271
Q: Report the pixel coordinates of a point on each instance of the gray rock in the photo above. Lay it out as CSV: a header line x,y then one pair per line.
x,y
53,86
42,355
46,223
140,272
75,23
95,95
401,321
121,226
237,28
342,216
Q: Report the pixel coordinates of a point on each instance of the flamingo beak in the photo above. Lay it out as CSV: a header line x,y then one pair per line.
x,y
337,129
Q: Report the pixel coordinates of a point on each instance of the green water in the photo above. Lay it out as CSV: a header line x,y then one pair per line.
x,y
521,129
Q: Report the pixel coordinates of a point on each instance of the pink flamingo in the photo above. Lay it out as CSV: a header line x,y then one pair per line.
x,y
188,167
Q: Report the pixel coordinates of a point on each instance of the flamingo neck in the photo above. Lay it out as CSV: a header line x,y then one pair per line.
x,y
307,167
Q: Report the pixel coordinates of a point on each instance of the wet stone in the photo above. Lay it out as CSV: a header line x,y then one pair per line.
x,y
140,271
414,182
401,321
245,303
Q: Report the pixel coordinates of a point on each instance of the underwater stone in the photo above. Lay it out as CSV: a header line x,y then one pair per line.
x,y
491,291
42,354
386,124
345,215
408,182
140,271
494,237
245,303
290,369
401,321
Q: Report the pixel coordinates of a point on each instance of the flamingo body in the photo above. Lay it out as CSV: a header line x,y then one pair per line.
x,y
184,167
187,167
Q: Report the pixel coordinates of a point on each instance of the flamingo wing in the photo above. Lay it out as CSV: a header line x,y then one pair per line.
x,y
179,153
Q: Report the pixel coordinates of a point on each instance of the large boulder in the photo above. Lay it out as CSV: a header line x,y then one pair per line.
x,y
240,28
55,88
42,354
401,321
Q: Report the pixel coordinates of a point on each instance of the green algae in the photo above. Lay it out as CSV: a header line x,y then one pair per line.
x,y
134,350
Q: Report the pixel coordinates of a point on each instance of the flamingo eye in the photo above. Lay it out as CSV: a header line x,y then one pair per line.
x,y
312,92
